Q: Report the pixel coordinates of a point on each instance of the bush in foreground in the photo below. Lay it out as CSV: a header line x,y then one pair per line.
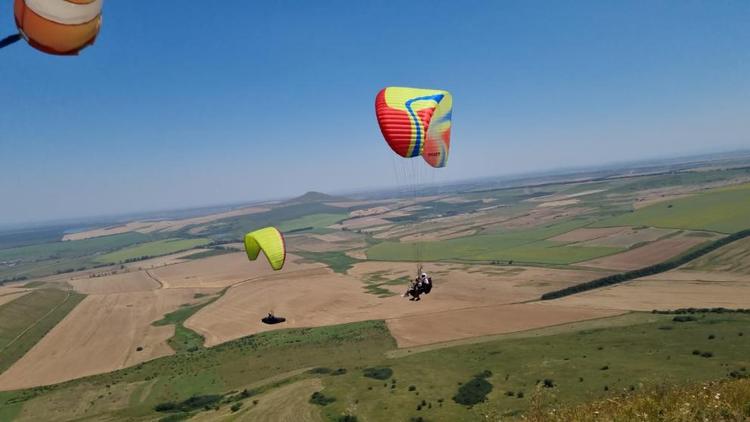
x,y
321,399
714,401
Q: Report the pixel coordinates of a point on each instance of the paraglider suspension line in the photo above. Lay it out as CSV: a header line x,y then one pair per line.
x,y
10,39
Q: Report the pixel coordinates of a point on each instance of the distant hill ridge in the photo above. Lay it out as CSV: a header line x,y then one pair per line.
x,y
312,196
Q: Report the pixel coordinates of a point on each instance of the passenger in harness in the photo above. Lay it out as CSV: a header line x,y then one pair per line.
x,y
421,285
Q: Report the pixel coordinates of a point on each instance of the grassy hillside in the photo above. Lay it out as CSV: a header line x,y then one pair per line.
x,y
580,366
577,365
712,401
250,362
24,321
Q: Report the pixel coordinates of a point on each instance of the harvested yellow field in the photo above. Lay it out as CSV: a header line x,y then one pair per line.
x,y
734,257
563,197
670,290
221,271
100,335
136,281
161,261
313,298
559,203
340,241
163,225
438,235
459,324
650,254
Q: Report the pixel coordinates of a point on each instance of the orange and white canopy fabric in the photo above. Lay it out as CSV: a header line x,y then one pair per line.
x,y
62,27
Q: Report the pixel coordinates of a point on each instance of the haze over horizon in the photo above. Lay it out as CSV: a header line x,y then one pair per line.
x,y
186,106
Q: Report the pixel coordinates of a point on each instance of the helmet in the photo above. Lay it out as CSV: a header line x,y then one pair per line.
x,y
424,275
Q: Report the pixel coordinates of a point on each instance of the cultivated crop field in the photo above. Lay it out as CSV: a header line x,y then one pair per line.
x,y
150,249
721,210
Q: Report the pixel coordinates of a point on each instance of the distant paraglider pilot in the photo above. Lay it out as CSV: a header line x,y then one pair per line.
x,y
272,319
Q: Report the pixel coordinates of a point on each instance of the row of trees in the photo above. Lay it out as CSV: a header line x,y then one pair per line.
x,y
650,270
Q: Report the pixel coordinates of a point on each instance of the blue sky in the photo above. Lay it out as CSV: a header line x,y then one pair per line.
x,y
194,103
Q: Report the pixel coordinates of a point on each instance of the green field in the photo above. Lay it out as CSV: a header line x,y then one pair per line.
x,y
24,321
522,246
50,258
337,261
150,249
74,248
580,363
313,221
722,210
184,339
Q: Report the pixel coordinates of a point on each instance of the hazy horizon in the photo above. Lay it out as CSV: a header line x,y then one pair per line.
x,y
164,114
364,191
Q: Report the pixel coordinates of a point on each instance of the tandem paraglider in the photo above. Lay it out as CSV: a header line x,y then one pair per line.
x,y
416,122
421,285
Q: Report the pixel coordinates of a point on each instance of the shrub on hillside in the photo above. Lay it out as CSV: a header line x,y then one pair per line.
x,y
321,399
683,318
382,373
473,392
